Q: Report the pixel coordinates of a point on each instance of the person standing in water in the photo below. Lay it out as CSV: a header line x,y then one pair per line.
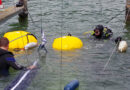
x,y
7,59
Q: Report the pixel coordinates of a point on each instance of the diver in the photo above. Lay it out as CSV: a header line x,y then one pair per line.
x,y
101,32
7,59
69,34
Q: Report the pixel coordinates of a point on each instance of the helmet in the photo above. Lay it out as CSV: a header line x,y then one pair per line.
x,y
99,27
118,39
98,31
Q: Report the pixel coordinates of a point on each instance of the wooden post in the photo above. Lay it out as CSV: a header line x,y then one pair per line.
x,y
127,10
25,5
24,13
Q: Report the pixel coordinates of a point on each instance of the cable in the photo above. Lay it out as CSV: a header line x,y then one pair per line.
x,y
61,45
25,50
32,20
101,7
109,58
41,14
43,39
116,44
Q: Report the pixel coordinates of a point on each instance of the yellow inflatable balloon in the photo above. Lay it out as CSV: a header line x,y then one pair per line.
x,y
18,39
67,43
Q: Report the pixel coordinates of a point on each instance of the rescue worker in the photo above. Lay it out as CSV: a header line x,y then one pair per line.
x,y
7,59
101,32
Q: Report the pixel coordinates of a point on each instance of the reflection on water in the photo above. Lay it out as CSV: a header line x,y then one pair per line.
x,y
21,25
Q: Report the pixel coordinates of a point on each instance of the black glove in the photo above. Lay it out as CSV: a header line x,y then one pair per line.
x,y
118,39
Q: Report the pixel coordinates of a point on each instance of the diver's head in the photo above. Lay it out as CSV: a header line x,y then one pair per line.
x,y
69,34
98,31
118,39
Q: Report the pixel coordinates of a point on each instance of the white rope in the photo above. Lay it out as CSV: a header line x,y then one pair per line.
x,y
23,77
20,80
109,58
116,44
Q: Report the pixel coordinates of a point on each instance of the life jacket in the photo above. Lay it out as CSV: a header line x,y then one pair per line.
x,y
107,33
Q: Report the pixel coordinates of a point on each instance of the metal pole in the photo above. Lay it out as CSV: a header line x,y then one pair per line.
x,y
127,15
25,5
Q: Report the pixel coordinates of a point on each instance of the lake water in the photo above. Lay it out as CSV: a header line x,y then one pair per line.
x,y
85,64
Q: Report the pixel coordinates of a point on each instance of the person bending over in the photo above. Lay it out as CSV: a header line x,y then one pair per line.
x,y
7,59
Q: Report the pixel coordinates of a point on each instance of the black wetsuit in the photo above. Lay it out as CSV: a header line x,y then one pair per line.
x,y
105,34
7,60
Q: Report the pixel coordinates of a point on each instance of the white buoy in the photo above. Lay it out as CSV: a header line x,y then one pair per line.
x,y
30,45
122,46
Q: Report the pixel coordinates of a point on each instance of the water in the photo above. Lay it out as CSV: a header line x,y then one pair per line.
x,y
85,64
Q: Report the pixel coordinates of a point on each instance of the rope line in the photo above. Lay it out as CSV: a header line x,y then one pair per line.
x,y
61,45
32,20
116,44
23,77
25,50
21,37
43,38
109,58
18,38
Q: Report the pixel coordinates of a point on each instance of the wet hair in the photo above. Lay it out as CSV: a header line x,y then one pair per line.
x,y
4,42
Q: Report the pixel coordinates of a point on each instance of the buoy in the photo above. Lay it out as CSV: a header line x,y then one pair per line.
x,y
67,43
30,45
20,39
73,85
1,6
122,46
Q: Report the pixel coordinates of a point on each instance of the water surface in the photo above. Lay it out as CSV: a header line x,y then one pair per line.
x,y
86,64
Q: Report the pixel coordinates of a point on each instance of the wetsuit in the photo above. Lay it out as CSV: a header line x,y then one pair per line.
x,y
105,34
7,60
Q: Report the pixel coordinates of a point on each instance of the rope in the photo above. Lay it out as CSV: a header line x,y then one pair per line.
x,y
23,77
32,20
109,58
21,37
116,44
101,7
43,39
61,45
41,14
25,50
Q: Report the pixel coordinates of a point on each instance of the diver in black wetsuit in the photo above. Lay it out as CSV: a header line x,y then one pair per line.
x,y
101,32
7,59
